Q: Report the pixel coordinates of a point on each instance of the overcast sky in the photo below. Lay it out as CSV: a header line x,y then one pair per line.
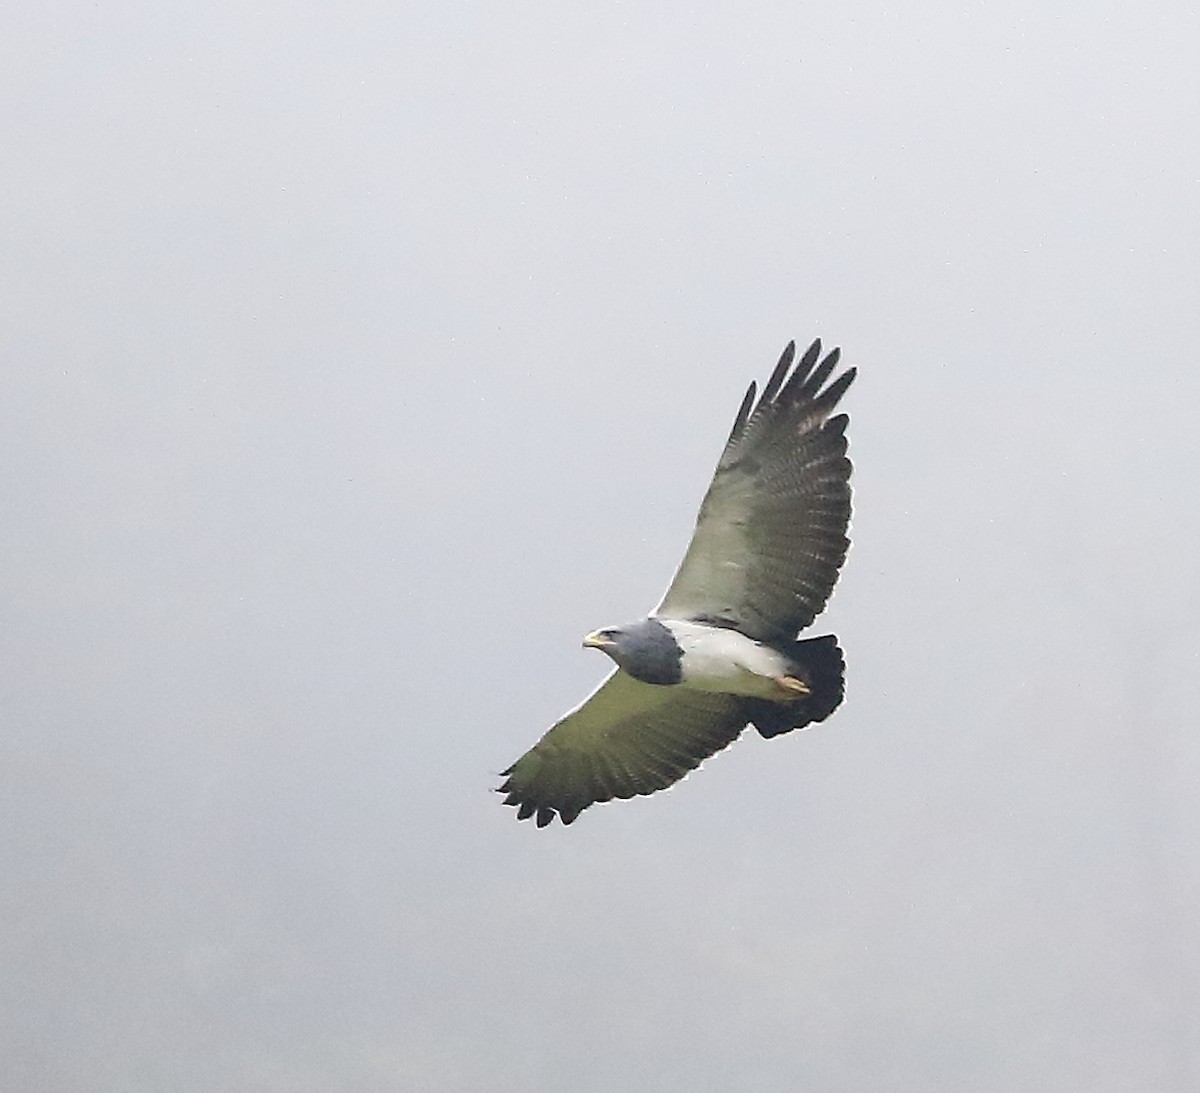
x,y
360,358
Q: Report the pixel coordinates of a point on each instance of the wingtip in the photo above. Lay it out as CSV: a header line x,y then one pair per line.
x,y
743,414
542,815
832,394
779,374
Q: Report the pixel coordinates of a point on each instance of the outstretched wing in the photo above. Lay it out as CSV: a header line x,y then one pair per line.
x,y
771,534
627,738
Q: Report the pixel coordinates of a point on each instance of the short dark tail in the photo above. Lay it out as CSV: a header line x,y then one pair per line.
x,y
819,663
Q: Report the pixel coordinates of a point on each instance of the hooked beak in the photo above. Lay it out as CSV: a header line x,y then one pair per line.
x,y
596,640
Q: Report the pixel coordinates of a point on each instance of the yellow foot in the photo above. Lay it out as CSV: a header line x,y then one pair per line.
x,y
792,687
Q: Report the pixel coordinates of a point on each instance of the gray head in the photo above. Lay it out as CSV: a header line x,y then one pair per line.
x,y
646,650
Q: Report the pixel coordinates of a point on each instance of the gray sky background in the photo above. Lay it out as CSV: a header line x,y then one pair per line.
x,y
359,358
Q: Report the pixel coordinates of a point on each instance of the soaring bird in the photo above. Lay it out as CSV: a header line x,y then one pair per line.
x,y
721,650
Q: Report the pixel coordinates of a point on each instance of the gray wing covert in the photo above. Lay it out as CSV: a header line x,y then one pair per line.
x,y
770,537
627,738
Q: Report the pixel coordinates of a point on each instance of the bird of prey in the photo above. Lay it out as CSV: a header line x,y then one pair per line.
x,y
721,650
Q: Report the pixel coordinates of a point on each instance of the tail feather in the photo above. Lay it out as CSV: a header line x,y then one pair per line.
x,y
820,664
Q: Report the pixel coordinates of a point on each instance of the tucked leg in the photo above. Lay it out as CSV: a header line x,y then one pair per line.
x,y
792,687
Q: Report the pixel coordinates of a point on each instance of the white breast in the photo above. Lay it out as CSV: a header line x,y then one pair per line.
x,y
715,659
